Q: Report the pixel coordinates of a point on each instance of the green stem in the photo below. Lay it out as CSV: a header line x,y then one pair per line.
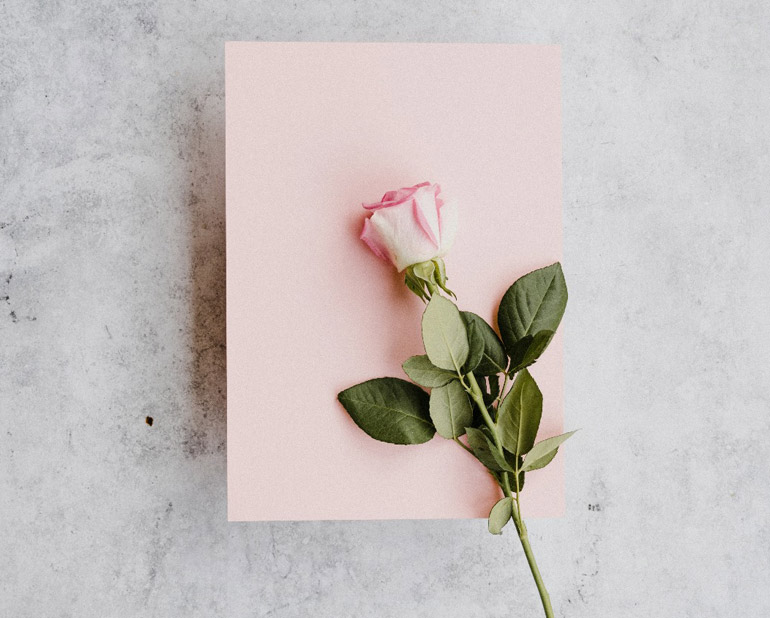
x,y
524,538
478,398
475,392
461,444
544,597
501,394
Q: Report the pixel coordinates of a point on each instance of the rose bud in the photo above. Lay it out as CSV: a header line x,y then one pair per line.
x,y
413,228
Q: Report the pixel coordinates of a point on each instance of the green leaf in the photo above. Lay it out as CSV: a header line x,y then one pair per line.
x,y
534,303
528,350
444,334
423,372
543,452
493,360
475,348
519,414
450,410
390,410
485,451
500,515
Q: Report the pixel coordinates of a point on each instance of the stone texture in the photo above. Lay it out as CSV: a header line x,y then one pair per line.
x,y
112,310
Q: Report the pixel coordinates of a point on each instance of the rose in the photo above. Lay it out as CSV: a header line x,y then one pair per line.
x,y
410,225
413,228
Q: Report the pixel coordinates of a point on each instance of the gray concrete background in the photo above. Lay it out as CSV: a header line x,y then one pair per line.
x,y
112,309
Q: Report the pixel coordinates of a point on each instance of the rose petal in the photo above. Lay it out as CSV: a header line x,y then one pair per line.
x,y
426,214
389,196
394,198
371,237
407,242
423,223
448,220
439,201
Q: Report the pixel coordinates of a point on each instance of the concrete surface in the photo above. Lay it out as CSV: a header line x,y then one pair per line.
x,y
112,310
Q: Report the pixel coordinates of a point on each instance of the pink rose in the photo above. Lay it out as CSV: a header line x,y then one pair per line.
x,y
411,225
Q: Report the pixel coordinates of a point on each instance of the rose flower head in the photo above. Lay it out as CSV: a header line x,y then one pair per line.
x,y
413,228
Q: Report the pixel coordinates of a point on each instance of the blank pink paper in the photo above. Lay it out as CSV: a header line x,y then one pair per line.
x,y
313,130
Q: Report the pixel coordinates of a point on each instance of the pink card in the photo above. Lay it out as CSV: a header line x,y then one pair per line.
x,y
314,129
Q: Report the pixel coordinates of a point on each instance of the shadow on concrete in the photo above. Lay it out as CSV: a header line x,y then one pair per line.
x,y
205,202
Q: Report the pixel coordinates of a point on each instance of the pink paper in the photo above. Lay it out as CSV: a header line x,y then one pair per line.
x,y
314,129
